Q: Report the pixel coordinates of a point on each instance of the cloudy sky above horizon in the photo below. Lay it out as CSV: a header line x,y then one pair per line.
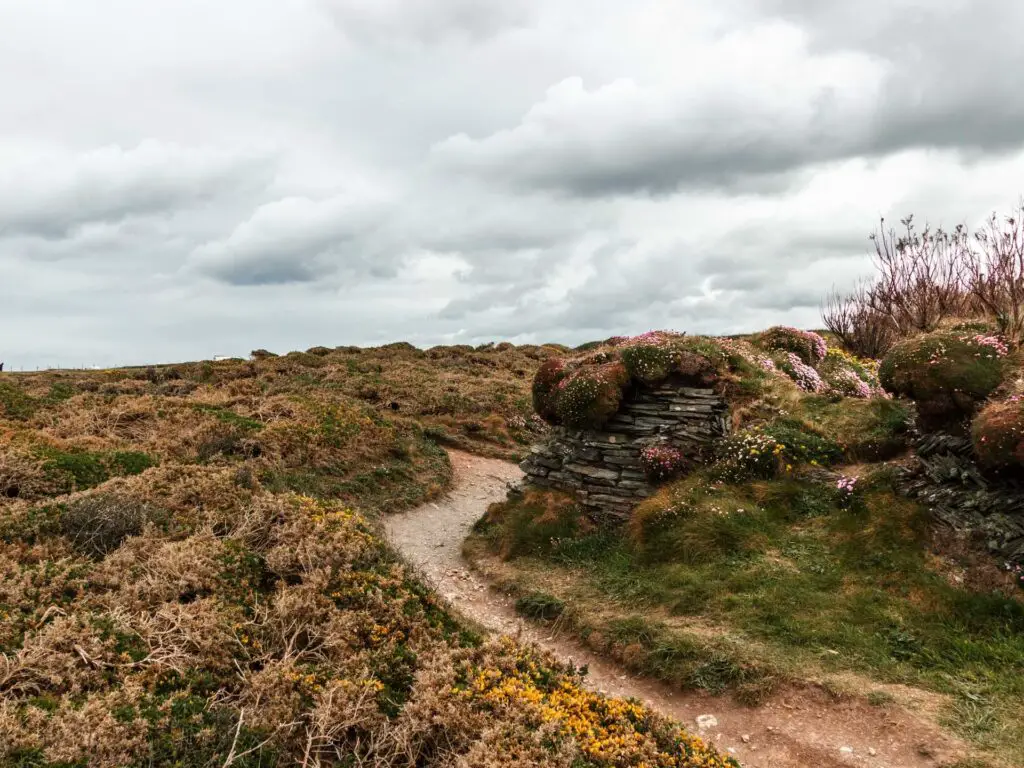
x,y
180,179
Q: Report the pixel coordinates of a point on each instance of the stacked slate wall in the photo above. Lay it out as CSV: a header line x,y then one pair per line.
x,y
603,469
947,480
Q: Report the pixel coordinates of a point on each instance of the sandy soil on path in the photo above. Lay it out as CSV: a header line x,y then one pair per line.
x,y
796,728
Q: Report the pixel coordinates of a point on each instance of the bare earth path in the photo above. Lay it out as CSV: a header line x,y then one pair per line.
x,y
794,729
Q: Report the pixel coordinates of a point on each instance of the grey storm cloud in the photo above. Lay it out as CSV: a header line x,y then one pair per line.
x,y
50,195
295,240
175,183
876,78
624,138
953,66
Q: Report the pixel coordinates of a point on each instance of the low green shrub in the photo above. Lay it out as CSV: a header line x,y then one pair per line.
x,y
867,430
75,470
540,605
947,373
124,463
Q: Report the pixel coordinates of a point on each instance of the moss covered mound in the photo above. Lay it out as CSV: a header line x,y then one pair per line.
x,y
998,434
585,391
948,373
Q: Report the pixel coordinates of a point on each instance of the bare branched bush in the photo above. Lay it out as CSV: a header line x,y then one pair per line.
x,y
996,273
98,524
921,276
926,280
859,327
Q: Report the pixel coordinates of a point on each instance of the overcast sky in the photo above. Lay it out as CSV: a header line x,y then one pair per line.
x,y
185,178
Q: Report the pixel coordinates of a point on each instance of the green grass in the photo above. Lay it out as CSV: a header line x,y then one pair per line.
x,y
811,584
415,473
229,417
540,605
868,430
78,470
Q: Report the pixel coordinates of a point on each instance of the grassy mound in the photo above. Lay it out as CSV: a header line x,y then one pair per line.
x,y
998,434
947,373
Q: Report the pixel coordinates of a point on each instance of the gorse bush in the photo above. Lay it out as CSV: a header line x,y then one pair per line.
x,y
532,525
540,605
98,524
545,388
947,373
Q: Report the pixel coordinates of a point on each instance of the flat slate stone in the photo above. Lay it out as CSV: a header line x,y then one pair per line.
x,y
595,472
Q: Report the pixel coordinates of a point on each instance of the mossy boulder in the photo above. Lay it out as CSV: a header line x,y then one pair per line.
x,y
998,434
807,345
947,373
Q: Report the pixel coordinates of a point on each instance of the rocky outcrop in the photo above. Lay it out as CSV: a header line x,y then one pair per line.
x,y
948,482
603,469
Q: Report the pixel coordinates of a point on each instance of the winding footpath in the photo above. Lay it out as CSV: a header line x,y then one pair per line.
x,y
794,729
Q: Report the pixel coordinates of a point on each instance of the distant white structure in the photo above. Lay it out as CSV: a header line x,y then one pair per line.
x,y
221,358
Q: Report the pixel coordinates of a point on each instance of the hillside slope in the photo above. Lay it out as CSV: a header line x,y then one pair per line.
x,y
192,573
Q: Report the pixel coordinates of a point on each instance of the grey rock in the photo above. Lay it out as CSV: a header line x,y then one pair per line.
x,y
592,471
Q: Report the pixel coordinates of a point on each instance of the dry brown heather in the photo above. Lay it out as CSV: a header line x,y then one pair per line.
x,y
191,574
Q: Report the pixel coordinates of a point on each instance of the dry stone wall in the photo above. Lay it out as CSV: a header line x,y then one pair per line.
x,y
946,479
603,469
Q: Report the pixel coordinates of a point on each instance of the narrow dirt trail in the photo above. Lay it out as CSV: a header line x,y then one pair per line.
x,y
794,729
